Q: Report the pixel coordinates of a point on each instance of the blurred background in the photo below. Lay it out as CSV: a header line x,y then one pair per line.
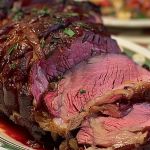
x,y
125,19
129,19
129,22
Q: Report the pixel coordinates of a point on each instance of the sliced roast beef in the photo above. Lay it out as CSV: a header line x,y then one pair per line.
x,y
66,41
112,132
58,68
26,43
40,36
107,84
68,53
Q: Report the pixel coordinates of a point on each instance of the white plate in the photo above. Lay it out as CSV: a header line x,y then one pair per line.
x,y
131,23
8,143
123,43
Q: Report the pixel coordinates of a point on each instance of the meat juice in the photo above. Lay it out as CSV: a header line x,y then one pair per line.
x,y
18,133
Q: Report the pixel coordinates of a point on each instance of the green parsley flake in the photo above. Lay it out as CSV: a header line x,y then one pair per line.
x,y
71,14
12,66
84,25
82,91
42,43
17,14
44,11
69,32
12,48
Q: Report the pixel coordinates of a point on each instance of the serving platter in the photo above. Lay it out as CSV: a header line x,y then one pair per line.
x,y
8,143
130,23
8,139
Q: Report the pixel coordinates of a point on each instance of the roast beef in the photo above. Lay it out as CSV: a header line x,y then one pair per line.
x,y
12,10
61,72
115,133
108,84
40,37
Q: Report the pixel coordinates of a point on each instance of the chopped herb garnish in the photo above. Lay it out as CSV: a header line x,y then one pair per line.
x,y
12,66
69,32
43,12
71,14
82,91
17,14
81,24
12,48
42,43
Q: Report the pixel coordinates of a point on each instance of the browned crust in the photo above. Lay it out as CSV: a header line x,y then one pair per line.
x,y
47,123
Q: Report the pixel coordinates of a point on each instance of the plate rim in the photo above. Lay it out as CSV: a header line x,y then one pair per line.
x,y
131,23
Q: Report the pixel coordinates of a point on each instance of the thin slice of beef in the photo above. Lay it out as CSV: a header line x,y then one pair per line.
x,y
112,132
107,84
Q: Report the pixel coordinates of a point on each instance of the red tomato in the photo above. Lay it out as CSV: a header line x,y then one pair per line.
x,y
133,3
104,3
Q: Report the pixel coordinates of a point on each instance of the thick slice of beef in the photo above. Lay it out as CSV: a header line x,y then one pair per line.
x,y
108,84
131,130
